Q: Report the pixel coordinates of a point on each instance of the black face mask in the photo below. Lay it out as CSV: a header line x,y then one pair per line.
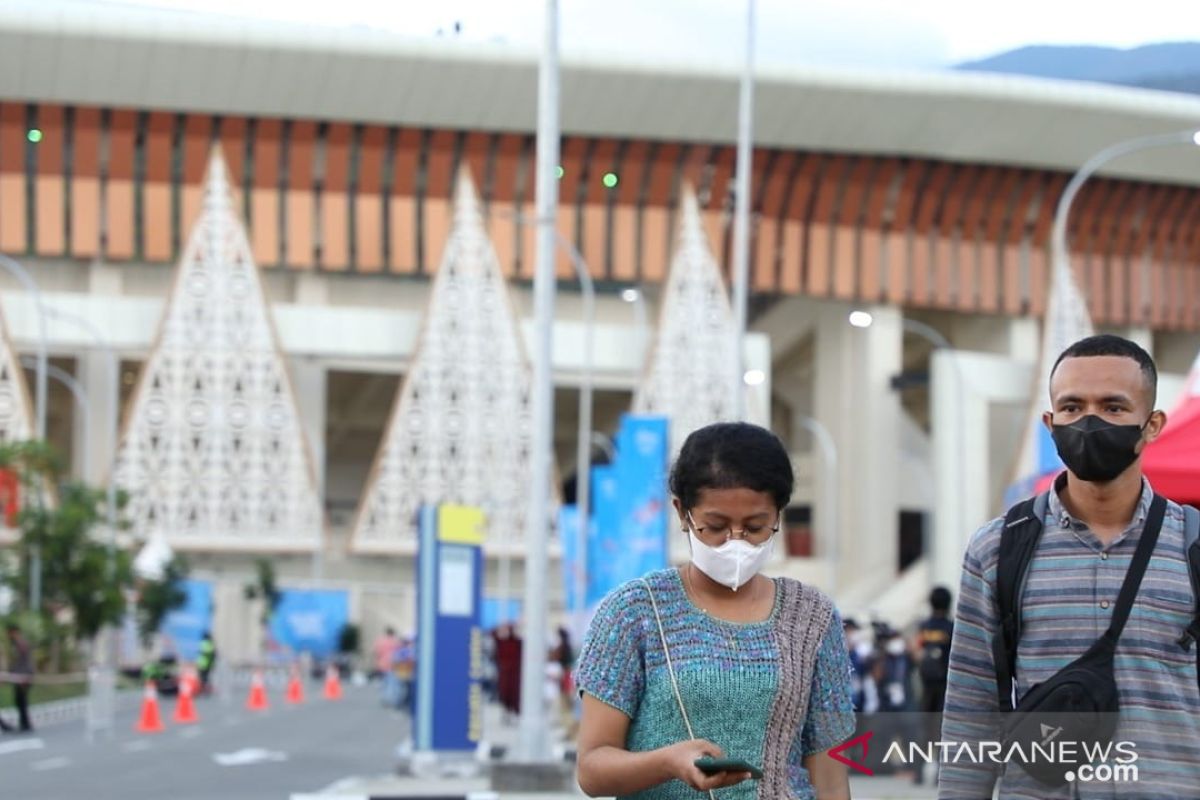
x,y
1095,449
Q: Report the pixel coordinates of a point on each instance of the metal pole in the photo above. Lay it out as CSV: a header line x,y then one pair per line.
x,y
30,286
1089,168
77,391
741,217
532,744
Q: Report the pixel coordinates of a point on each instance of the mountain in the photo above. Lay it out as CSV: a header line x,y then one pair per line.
x,y
1169,66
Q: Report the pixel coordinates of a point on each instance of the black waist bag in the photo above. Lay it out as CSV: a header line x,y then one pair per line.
x,y
1080,702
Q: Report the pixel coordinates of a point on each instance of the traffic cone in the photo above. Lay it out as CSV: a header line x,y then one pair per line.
x,y
333,684
185,709
191,680
257,701
150,720
295,689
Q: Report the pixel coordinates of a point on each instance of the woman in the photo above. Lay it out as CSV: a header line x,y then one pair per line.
x,y
760,664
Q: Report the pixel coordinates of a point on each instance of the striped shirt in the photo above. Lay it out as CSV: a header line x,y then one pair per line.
x,y
1070,592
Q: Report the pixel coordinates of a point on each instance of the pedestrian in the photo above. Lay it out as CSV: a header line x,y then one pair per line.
x,y
206,659
933,649
933,645
20,669
1044,587
508,668
383,650
713,659
892,672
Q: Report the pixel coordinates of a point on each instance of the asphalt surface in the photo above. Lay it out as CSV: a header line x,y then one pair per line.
x,y
231,753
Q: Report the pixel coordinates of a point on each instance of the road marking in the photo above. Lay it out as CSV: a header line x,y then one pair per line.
x,y
136,747
21,744
58,762
248,755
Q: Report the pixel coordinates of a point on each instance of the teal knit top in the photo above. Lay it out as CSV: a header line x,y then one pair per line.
x,y
771,692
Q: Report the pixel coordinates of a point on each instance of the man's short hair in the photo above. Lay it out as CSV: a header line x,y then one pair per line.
x,y
939,598
1107,344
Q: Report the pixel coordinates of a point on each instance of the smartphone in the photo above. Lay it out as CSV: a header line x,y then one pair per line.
x,y
711,766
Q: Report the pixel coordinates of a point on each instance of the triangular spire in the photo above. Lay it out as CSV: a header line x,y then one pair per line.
x,y
687,374
213,453
461,429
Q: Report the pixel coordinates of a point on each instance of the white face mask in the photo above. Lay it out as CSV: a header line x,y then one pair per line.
x,y
732,564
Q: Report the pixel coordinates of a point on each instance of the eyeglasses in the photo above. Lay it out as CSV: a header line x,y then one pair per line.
x,y
752,533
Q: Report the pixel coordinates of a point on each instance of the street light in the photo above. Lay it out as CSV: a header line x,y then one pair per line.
x,y
741,216
1089,168
77,391
637,299
863,319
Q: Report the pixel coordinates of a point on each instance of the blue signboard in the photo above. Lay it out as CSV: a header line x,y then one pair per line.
x,y
310,620
184,627
631,508
449,703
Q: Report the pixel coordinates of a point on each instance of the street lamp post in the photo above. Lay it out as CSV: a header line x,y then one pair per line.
x,y
532,742
1091,166
741,217
77,391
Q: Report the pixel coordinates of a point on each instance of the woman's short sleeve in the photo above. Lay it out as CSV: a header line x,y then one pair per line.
x,y
611,664
830,719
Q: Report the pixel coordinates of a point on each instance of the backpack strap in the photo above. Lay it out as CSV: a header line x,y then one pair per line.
x,y
1191,554
1018,541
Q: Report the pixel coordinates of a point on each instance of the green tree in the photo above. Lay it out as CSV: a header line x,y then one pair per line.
x,y
264,587
83,580
160,597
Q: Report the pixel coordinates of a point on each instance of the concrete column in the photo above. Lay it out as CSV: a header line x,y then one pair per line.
x,y
309,379
855,401
91,370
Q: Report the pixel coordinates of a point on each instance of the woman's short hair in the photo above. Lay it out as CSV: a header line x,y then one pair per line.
x,y
732,455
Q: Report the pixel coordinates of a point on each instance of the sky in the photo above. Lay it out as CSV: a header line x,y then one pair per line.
x,y
914,34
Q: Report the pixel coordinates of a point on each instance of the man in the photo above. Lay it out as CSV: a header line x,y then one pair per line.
x,y
20,666
206,658
933,645
1101,417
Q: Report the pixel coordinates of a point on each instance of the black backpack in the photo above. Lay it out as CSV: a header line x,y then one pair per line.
x,y
1082,697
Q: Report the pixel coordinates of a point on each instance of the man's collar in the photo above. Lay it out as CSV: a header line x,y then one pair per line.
x,y
1066,520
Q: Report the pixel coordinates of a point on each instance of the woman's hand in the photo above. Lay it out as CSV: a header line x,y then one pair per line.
x,y
680,760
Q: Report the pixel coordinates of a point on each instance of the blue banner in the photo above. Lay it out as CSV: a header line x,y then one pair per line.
x,y
631,508
183,628
310,620
568,533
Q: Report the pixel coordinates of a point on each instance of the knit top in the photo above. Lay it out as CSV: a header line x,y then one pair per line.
x,y
769,692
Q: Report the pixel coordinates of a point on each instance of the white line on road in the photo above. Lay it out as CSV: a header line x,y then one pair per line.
x,y
21,744
58,762
248,755
136,747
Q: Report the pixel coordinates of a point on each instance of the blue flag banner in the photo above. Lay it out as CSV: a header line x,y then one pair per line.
x,y
184,627
631,508
310,620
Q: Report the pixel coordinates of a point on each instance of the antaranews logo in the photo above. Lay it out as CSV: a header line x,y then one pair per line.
x,y
1092,758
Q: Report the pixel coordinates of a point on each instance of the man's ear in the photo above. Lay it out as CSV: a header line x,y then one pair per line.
x,y
1154,428
1048,420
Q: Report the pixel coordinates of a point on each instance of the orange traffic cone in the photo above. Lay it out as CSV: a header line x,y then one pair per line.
x,y
295,689
185,709
257,701
150,720
333,685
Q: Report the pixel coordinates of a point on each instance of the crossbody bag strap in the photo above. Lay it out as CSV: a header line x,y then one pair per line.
x,y
662,635
1137,568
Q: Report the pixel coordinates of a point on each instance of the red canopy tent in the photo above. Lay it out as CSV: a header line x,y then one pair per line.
x,y
1172,462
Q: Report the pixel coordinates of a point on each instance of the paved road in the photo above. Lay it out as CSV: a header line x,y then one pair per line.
x,y
231,753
